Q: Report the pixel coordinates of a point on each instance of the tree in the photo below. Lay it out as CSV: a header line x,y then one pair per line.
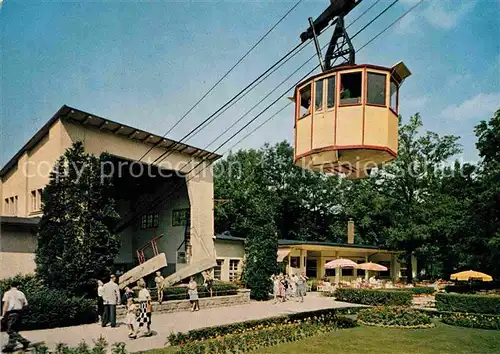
x,y
75,244
261,249
409,181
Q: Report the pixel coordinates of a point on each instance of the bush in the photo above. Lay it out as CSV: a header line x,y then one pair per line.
x,y
472,320
488,304
48,308
247,341
181,293
313,283
418,290
391,316
327,316
374,297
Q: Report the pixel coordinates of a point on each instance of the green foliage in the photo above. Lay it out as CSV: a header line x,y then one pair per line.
x,y
473,320
267,336
392,316
374,297
318,316
417,290
50,308
75,244
181,293
489,304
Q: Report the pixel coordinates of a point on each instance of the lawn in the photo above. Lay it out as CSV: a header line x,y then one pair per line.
x,y
373,340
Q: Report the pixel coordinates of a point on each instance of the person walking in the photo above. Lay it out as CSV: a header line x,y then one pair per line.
x,y
14,302
111,297
145,309
301,286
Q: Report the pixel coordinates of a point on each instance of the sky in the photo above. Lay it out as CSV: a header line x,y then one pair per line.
x,y
145,63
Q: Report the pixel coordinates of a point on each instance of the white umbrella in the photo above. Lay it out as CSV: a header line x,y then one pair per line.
x,y
342,263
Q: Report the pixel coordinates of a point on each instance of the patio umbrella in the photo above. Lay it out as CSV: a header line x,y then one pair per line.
x,y
342,263
471,275
372,266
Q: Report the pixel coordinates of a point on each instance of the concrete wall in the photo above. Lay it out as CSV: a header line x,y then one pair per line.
x,y
225,251
17,251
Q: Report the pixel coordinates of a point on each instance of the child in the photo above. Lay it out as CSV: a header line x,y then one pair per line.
x,y
159,286
131,315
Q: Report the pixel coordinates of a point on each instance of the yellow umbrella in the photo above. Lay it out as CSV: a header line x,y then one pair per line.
x,y
471,274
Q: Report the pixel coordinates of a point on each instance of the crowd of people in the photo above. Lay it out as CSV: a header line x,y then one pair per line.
x,y
286,287
138,309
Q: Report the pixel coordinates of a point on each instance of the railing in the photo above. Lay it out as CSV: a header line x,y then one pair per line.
x,y
151,243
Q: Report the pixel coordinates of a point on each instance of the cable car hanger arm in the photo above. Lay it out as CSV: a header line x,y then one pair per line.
x,y
337,10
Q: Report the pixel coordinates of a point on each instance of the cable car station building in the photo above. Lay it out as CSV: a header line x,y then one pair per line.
x,y
179,225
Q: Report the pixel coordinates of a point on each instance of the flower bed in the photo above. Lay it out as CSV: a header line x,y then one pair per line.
x,y
487,304
472,320
263,336
374,297
393,316
321,317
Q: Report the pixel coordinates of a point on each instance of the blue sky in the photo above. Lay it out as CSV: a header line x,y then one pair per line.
x,y
145,63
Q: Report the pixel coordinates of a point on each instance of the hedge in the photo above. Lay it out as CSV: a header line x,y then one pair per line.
x,y
252,340
488,304
418,290
393,316
472,320
48,308
323,316
374,297
181,293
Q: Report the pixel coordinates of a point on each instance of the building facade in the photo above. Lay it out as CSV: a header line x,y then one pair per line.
x,y
168,195
310,257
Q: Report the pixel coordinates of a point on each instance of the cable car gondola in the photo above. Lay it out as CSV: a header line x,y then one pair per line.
x,y
346,117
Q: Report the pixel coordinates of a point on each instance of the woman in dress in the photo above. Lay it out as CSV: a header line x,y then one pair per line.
x,y
193,294
144,315
301,286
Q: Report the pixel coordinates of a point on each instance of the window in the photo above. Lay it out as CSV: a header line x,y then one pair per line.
x,y
295,262
360,272
394,96
305,101
150,221
13,205
36,200
329,272
218,269
386,273
233,269
376,89
350,89
331,92
180,217
318,105
6,206
348,272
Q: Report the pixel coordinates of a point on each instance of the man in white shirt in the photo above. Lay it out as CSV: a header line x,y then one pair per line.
x,y
14,301
110,297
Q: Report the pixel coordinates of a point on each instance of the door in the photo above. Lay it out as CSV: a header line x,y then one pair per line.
x,y
311,268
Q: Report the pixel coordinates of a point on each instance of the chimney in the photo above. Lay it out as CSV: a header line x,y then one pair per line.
x,y
350,231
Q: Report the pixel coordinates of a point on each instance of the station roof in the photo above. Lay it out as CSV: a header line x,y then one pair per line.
x,y
290,243
92,121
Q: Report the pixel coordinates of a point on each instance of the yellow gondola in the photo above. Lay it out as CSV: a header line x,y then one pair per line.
x,y
346,118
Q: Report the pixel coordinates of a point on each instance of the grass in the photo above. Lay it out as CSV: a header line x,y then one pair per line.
x,y
365,339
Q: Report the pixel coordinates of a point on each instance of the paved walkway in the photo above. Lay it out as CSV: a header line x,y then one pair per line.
x,y
164,324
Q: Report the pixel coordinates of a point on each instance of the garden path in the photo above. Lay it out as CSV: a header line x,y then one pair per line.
x,y
164,324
